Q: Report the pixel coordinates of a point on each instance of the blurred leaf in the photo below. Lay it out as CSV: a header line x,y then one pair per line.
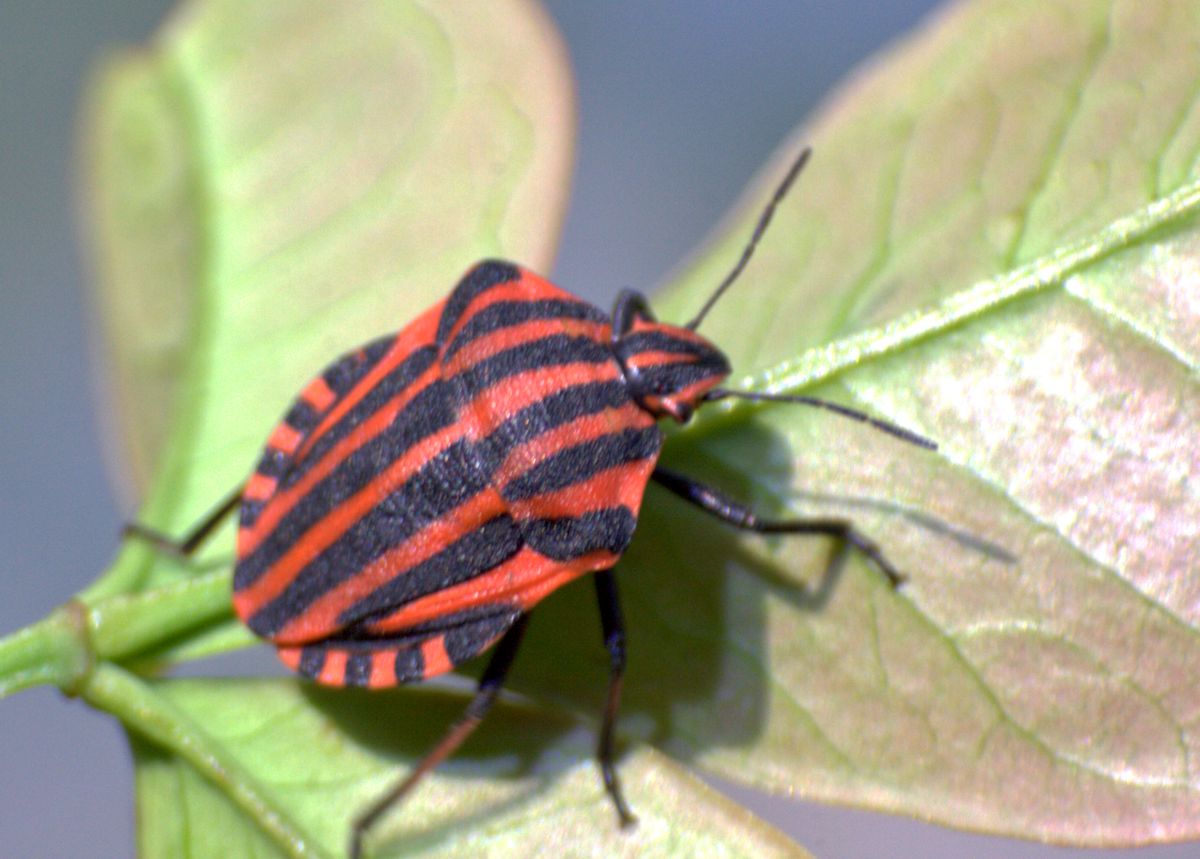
x,y
995,244
275,183
525,785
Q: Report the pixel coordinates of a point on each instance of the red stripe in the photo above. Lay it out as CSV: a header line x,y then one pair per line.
x,y
436,659
285,438
383,669
624,484
289,656
333,672
259,487
534,590
318,394
502,583
642,360
511,336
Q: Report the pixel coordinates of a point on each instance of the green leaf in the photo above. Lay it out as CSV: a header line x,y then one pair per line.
x,y
526,784
995,244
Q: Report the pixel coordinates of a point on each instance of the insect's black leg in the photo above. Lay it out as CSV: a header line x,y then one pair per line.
x,y
485,695
629,305
613,626
712,501
187,544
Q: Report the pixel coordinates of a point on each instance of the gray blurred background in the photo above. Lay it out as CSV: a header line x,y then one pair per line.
x,y
680,102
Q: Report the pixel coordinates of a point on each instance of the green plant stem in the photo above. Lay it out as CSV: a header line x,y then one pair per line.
x,y
53,650
144,711
126,626
62,648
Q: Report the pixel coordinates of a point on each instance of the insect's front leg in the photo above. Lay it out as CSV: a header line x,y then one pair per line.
x,y
612,623
490,683
184,546
739,516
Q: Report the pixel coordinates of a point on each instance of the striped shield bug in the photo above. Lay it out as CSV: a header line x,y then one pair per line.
x,y
427,490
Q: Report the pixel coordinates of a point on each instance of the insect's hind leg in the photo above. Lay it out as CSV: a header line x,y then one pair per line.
x,y
613,626
186,545
740,516
485,695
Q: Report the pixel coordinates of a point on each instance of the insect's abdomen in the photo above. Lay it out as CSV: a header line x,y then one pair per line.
x,y
435,483
349,511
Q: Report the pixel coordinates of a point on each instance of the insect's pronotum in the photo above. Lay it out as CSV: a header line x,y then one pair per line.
x,y
426,491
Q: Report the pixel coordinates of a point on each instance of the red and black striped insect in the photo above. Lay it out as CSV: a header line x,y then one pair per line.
x,y
426,491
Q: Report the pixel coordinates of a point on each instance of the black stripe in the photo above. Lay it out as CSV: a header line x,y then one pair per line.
x,y
344,373
471,555
565,539
467,638
429,412
388,388
661,341
582,461
274,463
358,668
410,665
312,660
505,314
249,512
672,378
443,483
475,283
301,417
561,407
554,351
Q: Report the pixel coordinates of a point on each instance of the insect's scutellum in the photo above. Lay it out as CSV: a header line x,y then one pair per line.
x,y
426,491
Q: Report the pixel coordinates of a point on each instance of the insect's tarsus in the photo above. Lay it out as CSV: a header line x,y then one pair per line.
x,y
763,220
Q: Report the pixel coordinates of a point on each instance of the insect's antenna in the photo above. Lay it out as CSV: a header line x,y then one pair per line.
x,y
763,220
885,426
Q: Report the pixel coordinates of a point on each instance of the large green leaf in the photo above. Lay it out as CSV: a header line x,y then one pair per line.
x,y
995,244
527,784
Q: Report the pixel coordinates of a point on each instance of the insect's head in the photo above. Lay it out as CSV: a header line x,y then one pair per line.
x,y
669,369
